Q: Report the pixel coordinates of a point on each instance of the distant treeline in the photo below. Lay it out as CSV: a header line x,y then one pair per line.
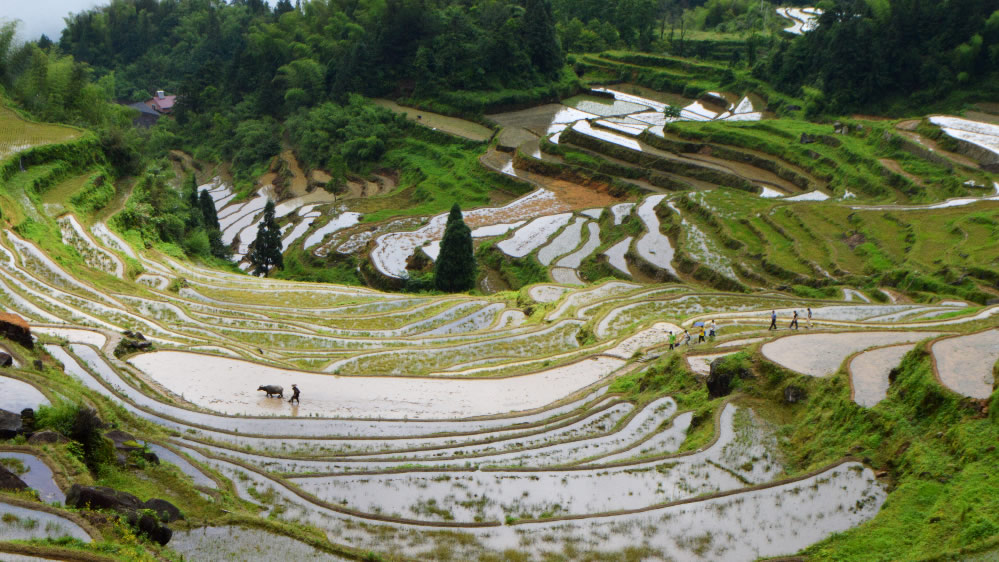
x,y
866,51
275,61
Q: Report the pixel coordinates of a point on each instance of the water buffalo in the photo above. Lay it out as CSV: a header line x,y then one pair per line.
x,y
272,389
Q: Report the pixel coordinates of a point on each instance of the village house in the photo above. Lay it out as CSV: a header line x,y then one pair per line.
x,y
161,102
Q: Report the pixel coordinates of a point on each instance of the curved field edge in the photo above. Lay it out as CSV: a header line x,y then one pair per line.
x,y
935,448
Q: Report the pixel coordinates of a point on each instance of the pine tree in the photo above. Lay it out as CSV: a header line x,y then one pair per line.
x,y
541,38
266,252
194,219
455,269
210,217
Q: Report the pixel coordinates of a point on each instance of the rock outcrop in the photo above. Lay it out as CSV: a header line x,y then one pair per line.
x,y
47,437
16,329
129,507
11,481
125,445
721,376
10,424
794,394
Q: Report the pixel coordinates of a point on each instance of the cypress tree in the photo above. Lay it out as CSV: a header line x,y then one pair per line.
x,y
455,268
266,252
209,215
194,219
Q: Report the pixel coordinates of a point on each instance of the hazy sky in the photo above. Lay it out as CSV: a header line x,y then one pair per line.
x,y
45,16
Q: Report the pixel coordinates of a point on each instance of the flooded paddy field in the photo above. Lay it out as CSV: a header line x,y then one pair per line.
x,y
545,418
534,462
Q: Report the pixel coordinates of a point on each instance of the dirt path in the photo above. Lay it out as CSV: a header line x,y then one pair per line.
x,y
299,184
123,190
932,145
577,197
894,166
766,156
750,172
450,125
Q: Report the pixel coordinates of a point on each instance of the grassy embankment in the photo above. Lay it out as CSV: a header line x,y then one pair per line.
x,y
936,448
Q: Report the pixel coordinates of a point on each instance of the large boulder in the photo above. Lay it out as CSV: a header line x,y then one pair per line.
x,y
128,506
721,375
794,394
27,420
125,444
47,437
166,511
128,346
10,424
10,481
150,526
101,497
16,329
719,381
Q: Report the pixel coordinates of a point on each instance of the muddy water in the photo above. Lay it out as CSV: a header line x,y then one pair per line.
x,y
450,125
291,426
615,255
38,476
820,355
564,243
493,495
965,363
197,476
229,386
869,373
767,522
701,364
16,395
770,522
654,246
19,523
239,543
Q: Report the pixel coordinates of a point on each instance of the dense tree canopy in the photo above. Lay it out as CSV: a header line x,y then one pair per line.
x,y
865,50
219,53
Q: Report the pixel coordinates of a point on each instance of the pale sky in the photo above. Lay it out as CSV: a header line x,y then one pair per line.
x,y
45,16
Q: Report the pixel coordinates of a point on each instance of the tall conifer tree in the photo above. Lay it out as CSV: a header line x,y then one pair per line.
x,y
208,213
266,253
455,269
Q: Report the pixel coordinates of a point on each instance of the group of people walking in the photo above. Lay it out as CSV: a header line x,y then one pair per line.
x,y
794,320
683,338
707,331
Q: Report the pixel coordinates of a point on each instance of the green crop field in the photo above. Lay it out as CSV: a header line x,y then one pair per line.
x,y
18,134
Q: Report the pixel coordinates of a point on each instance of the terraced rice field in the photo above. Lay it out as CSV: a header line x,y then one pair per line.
x,y
965,364
462,427
18,134
821,354
449,413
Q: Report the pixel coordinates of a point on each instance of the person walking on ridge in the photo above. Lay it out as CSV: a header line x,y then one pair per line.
x,y
700,335
794,321
809,318
711,329
773,320
672,340
294,397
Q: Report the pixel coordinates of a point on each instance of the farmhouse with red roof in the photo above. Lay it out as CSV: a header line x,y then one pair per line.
x,y
162,102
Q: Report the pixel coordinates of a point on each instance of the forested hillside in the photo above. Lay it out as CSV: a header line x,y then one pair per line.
x,y
867,53
276,61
